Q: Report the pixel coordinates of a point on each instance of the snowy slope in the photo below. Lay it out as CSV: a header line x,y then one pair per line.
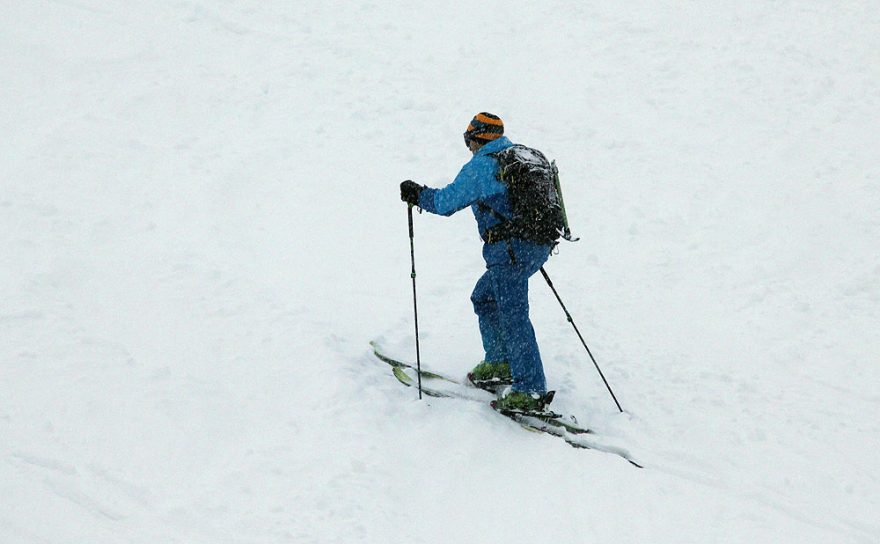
x,y
200,232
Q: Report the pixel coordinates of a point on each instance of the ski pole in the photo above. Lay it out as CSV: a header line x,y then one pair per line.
x,y
570,320
412,254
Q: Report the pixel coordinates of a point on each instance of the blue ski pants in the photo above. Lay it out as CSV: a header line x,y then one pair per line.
x,y
501,302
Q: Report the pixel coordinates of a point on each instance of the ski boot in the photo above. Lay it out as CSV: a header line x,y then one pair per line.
x,y
490,376
527,404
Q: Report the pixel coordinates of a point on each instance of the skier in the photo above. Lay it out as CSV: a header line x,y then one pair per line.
x,y
500,298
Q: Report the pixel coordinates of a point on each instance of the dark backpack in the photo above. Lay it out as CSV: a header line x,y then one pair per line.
x,y
531,181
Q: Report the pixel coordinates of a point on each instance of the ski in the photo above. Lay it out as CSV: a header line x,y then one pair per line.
x,y
535,424
377,351
464,391
406,380
455,393
549,417
549,423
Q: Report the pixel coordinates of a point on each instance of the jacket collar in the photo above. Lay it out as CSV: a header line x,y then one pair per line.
x,y
494,146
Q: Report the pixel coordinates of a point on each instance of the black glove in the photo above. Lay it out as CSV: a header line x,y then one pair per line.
x,y
410,191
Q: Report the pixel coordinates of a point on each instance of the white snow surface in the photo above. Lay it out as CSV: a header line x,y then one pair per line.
x,y
200,232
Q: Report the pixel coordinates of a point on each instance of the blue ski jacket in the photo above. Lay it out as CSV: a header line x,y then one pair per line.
x,y
477,183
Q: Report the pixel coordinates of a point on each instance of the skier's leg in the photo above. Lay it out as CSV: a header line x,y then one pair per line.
x,y
511,290
483,299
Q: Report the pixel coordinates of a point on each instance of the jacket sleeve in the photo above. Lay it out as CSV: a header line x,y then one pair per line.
x,y
473,182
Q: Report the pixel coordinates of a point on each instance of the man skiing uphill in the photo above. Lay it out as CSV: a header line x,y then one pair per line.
x,y
512,255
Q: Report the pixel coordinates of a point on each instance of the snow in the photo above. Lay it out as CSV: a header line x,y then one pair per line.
x,y
200,233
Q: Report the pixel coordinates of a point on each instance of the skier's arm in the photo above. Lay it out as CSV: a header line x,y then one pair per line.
x,y
465,189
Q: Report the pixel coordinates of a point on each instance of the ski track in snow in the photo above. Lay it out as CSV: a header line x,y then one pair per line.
x,y
200,233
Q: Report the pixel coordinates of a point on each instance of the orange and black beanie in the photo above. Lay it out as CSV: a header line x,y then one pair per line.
x,y
484,127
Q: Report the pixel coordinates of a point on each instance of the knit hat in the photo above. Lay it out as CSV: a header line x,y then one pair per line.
x,y
484,127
